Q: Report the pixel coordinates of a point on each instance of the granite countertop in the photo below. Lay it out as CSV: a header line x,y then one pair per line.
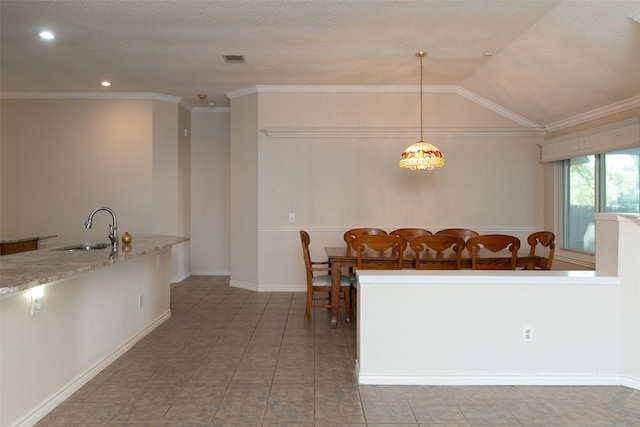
x,y
26,239
25,270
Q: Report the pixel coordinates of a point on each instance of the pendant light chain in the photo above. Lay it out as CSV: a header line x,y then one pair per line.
x,y
421,103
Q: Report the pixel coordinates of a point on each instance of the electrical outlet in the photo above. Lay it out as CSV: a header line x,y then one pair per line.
x,y
527,333
36,304
292,217
140,301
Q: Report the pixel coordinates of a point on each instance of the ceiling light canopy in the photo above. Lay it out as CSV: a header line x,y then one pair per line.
x,y
421,155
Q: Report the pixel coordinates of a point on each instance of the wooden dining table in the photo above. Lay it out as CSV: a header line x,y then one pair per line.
x,y
344,257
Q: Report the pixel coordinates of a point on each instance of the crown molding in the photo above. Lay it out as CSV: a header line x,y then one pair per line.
x,y
395,132
90,95
389,89
497,108
598,113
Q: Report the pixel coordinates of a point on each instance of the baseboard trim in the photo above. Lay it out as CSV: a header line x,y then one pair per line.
x,y
455,380
631,382
177,279
74,385
243,285
211,273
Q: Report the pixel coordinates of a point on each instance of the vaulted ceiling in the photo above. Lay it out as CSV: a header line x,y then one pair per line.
x,y
547,61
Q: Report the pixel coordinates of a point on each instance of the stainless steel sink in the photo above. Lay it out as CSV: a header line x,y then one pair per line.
x,y
84,247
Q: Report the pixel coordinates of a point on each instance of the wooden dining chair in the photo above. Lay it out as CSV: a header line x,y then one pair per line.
x,y
376,252
410,233
319,285
464,233
493,243
438,252
545,239
349,235
379,251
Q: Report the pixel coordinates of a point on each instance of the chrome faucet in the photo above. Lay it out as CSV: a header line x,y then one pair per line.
x,y
113,227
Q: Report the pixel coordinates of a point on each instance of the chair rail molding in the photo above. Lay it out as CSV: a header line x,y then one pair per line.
x,y
400,132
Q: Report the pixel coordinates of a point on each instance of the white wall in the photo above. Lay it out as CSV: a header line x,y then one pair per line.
x,y
244,191
332,159
61,158
466,327
210,162
166,218
617,253
181,254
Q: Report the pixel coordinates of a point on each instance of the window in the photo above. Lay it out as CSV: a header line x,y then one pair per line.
x,y
607,182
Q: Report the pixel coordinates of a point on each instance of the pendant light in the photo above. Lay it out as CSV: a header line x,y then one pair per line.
x,y
421,155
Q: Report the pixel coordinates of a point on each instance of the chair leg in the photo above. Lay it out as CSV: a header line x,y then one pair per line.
x,y
307,310
354,299
347,303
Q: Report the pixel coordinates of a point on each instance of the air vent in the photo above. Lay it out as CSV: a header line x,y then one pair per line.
x,y
234,59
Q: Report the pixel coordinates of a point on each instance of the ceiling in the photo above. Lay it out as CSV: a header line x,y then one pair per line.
x,y
553,60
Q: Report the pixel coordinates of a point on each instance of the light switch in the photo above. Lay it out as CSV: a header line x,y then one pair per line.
x,y
292,217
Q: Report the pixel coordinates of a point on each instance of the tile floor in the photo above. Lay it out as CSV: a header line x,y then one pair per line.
x,y
231,357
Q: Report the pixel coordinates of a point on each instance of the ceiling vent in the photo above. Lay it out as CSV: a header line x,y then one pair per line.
x,y
234,59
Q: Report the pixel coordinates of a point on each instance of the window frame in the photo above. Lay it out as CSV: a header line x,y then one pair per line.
x,y
573,256
561,172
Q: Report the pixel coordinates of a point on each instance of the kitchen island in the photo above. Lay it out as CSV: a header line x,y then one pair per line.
x,y
66,315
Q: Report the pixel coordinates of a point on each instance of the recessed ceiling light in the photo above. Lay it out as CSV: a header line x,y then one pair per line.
x,y
47,35
106,83
488,53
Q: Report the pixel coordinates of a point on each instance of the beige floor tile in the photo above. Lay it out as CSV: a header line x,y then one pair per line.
x,y
292,392
339,412
337,392
487,413
143,411
241,412
289,412
245,392
212,393
162,392
388,412
183,411
113,393
427,412
212,376
376,393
